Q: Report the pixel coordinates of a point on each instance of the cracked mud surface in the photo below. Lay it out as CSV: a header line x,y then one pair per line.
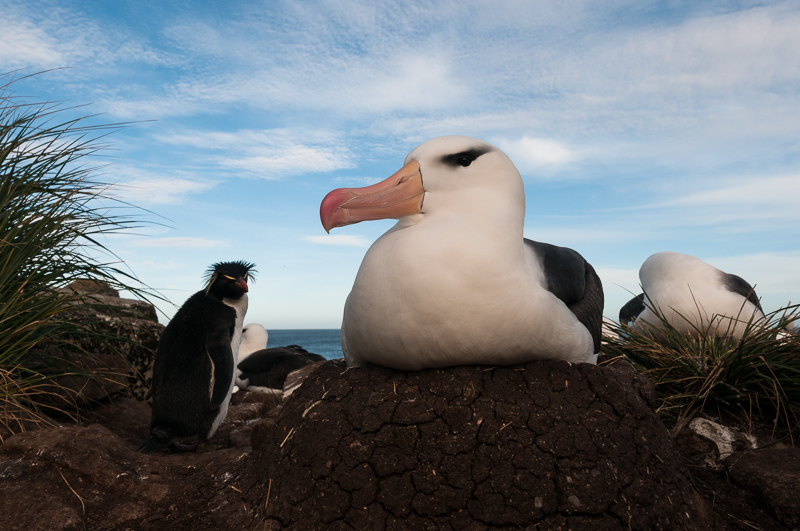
x,y
546,445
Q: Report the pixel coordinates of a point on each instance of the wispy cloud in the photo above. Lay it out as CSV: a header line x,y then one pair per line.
x,y
50,34
750,203
417,82
345,240
269,154
530,154
25,45
194,243
151,190
763,191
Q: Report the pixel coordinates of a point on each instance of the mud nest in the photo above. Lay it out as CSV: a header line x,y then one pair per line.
x,y
545,445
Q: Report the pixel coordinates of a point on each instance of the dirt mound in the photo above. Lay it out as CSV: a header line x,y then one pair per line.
x,y
545,444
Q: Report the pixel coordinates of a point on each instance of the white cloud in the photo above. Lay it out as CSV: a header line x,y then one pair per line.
x,y
25,45
732,51
151,108
151,190
290,160
345,240
751,203
50,34
187,242
271,153
529,153
413,83
760,190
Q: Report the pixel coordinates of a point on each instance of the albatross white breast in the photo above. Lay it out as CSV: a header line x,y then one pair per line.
x,y
454,282
691,295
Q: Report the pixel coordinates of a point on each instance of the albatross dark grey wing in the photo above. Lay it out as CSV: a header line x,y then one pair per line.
x,y
738,285
574,281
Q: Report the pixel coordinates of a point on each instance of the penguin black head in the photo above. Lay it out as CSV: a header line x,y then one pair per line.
x,y
229,279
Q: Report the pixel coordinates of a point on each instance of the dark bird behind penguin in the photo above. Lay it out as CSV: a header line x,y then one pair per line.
x,y
193,373
267,369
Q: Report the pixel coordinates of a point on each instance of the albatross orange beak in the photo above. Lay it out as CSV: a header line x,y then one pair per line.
x,y
399,195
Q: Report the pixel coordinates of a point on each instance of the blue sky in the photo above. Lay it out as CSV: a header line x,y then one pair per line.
x,y
638,127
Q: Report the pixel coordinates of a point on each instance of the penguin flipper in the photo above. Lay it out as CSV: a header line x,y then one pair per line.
x,y
218,348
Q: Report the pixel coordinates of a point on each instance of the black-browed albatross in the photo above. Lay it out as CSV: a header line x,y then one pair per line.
x,y
454,282
691,295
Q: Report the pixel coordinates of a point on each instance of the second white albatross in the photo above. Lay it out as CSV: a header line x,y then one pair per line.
x,y
693,297
454,282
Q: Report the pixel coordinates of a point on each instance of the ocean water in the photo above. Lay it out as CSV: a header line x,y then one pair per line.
x,y
325,342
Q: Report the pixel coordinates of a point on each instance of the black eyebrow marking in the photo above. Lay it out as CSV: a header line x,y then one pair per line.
x,y
468,156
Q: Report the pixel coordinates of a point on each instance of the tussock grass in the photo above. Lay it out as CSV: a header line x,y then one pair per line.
x,y
54,219
752,380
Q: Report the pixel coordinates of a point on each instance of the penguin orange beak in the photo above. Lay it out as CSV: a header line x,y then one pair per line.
x,y
399,195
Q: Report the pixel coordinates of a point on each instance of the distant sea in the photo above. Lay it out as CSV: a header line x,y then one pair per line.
x,y
325,342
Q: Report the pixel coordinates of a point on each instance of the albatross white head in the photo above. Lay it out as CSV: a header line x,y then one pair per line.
x,y
442,172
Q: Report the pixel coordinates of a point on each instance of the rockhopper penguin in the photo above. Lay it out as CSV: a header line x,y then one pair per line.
x,y
193,373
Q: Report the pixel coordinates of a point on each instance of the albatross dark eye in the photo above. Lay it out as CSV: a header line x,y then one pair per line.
x,y
463,158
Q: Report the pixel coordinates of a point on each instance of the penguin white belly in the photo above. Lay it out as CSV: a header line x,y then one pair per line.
x,y
241,309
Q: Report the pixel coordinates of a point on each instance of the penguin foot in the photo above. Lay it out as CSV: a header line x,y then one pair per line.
x,y
153,444
184,444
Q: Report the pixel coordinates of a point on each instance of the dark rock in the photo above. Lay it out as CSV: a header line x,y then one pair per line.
x,y
107,304
129,329
92,287
707,442
546,444
773,474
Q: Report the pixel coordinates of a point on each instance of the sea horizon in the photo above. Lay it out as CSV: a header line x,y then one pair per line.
x,y
323,341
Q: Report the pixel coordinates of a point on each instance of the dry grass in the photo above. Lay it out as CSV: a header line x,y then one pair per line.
x,y
752,380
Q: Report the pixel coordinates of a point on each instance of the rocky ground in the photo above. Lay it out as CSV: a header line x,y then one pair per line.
x,y
460,448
